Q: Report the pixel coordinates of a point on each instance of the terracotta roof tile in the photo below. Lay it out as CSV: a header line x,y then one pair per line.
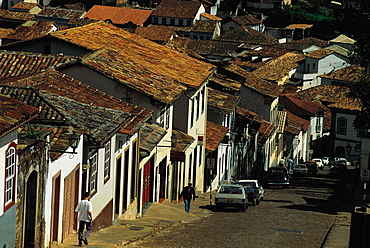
x,y
4,32
257,84
31,30
222,101
267,52
226,82
150,136
246,20
25,5
279,68
203,26
183,140
156,32
155,58
343,39
179,9
61,13
15,15
59,84
300,107
13,64
247,35
295,124
265,132
340,50
244,117
14,113
119,15
299,26
352,73
215,134
319,54
299,45
211,17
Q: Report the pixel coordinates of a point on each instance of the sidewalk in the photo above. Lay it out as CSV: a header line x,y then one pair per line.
x,y
159,216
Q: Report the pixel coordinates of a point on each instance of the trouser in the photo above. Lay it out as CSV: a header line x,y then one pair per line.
x,y
82,227
187,205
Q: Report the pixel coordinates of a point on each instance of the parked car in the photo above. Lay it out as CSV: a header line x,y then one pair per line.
x,y
320,164
312,167
299,169
231,195
338,167
342,160
278,176
252,192
258,185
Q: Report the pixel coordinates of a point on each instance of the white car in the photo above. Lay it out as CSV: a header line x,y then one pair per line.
x,y
325,160
300,169
231,195
343,160
258,185
320,164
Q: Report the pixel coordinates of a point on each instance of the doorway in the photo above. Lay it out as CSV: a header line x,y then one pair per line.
x,y
30,210
118,187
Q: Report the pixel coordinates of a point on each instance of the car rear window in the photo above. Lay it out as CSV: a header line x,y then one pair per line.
x,y
230,190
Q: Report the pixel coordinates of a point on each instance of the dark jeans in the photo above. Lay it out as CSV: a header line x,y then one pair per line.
x,y
187,205
81,229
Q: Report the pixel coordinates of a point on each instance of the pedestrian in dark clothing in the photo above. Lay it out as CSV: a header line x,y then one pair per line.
x,y
188,193
84,213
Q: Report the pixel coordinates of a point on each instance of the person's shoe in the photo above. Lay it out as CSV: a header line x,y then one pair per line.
x,y
85,241
80,242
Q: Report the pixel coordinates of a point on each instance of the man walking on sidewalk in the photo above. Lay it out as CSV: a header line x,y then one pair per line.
x,y
84,213
188,193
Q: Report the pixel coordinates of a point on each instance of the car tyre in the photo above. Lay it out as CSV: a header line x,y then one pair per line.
x,y
258,202
254,201
244,208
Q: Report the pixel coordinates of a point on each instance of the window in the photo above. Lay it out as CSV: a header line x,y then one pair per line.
x,y
203,98
155,20
107,149
192,103
93,173
164,117
172,22
197,107
208,38
188,22
10,176
342,126
164,21
201,37
181,22
195,37
318,125
314,66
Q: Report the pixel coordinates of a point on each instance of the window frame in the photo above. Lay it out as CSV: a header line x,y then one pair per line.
x,y
107,160
93,173
342,129
9,202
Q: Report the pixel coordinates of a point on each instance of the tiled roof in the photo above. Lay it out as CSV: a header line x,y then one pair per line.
x,y
150,136
214,135
31,30
211,17
211,47
246,117
299,26
139,76
280,67
266,52
295,124
154,58
118,15
340,50
300,107
246,20
183,140
15,15
257,84
226,82
25,5
59,84
251,64
203,26
319,54
4,32
265,131
221,101
299,45
178,9
14,113
352,73
343,39
13,64
247,35
61,13
332,96
156,32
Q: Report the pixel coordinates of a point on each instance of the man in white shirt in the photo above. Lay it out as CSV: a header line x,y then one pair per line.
x,y
84,213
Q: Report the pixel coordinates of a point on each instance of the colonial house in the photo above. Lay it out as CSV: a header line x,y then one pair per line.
x,y
14,114
59,16
298,31
320,62
304,45
343,41
95,168
341,77
120,16
243,20
222,154
200,30
177,13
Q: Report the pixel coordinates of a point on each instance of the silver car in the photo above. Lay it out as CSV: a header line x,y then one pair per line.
x,y
258,185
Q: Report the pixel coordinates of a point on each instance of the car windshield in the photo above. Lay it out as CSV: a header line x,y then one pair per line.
x,y
230,190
